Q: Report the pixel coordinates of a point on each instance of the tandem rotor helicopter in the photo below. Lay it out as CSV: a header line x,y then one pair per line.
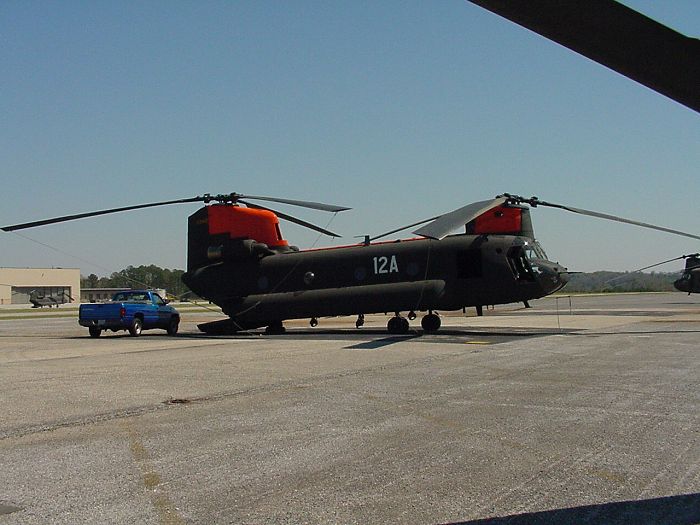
x,y
690,279
238,260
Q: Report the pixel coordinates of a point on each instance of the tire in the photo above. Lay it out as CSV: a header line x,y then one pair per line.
x,y
173,325
397,325
94,331
431,323
136,327
276,328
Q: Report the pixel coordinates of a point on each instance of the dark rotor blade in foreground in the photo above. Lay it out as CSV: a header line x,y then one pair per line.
x,y
305,204
449,222
95,214
617,37
292,219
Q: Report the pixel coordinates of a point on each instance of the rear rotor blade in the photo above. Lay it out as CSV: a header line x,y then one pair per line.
x,y
653,266
292,219
449,222
96,213
304,204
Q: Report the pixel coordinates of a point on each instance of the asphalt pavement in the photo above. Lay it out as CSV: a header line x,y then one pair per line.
x,y
580,410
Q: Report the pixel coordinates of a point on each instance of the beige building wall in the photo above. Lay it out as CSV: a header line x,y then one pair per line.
x,y
38,278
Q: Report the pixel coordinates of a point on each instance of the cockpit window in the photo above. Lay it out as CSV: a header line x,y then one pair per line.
x,y
519,263
533,250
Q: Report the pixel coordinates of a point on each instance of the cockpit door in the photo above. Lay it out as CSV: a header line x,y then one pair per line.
x,y
520,265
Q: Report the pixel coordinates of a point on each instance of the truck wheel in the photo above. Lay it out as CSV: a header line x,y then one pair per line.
x,y
173,325
94,331
136,327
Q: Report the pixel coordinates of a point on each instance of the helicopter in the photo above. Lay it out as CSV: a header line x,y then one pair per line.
x,y
238,259
690,279
39,299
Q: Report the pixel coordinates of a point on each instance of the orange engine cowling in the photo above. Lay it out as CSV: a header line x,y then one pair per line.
x,y
245,223
502,220
228,229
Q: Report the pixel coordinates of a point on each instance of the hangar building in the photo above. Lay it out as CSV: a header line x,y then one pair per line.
x,y
16,284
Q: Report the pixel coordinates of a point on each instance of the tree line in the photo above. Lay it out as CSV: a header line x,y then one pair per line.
x,y
150,276
602,282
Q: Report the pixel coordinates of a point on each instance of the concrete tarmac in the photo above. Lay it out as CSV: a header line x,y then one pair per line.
x,y
578,410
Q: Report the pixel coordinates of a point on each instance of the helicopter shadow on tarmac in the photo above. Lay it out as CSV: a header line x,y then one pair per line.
x,y
668,510
374,339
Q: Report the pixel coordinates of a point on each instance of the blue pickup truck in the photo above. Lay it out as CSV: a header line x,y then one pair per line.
x,y
132,310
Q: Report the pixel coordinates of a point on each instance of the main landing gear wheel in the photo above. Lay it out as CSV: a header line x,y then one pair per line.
x,y
431,323
94,331
136,327
397,325
276,328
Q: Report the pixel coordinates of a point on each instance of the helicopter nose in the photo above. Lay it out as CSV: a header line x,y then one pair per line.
x,y
553,275
563,274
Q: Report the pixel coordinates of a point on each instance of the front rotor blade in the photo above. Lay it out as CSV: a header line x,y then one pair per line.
x,y
449,222
622,219
304,204
402,228
95,213
292,219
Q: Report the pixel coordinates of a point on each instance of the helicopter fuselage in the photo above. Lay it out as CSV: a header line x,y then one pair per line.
x,y
406,275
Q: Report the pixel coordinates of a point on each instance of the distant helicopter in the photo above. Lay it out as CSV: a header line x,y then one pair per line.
x,y
39,299
688,282
690,279
238,259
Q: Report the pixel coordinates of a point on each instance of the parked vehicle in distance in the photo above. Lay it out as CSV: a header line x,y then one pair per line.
x,y
132,310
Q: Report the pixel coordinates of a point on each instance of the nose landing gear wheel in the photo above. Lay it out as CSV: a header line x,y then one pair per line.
x,y
431,323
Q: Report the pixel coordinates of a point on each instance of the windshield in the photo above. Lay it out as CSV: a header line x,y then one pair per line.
x,y
533,250
132,297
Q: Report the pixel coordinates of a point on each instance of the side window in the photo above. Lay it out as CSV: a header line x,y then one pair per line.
x,y
157,299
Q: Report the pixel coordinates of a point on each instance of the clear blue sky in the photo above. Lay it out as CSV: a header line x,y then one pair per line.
x,y
400,109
